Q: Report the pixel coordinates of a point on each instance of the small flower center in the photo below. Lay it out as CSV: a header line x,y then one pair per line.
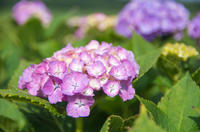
x,y
79,103
75,85
112,88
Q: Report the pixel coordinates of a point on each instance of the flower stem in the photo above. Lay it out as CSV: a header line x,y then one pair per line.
x,y
79,124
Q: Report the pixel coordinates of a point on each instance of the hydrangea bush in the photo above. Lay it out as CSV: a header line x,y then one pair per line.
x,y
152,19
73,75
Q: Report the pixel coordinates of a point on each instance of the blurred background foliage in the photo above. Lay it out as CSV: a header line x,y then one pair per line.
x,y
33,43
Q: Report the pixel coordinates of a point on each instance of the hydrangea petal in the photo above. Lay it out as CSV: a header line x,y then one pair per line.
x,y
56,96
57,68
76,65
112,88
127,92
74,83
96,69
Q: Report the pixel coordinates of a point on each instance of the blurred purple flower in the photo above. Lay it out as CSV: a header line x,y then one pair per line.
x,y
99,21
24,10
152,19
194,28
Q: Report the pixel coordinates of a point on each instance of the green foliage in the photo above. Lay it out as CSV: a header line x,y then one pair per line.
x,y
145,124
47,48
175,111
145,54
32,31
40,120
11,119
158,115
8,125
196,76
178,104
112,124
115,123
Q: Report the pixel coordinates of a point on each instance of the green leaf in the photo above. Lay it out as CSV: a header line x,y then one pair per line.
x,y
115,123
145,54
178,104
114,103
158,115
8,125
47,48
112,124
37,115
32,31
19,95
11,114
13,83
144,124
196,76
128,123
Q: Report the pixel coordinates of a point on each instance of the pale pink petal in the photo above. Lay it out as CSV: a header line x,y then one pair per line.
x,y
111,88
96,69
95,84
56,96
119,72
76,65
74,83
93,44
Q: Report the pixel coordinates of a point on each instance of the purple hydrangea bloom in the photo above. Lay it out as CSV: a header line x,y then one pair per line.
x,y
152,19
74,75
194,28
24,10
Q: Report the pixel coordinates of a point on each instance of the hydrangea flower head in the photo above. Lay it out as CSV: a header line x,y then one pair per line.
x,y
180,50
76,74
194,28
152,19
24,10
99,21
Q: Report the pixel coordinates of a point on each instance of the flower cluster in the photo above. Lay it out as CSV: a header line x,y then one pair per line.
x,y
152,19
99,21
24,10
180,50
74,74
194,28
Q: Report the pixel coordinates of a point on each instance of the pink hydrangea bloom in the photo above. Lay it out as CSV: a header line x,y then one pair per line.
x,y
74,75
24,10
